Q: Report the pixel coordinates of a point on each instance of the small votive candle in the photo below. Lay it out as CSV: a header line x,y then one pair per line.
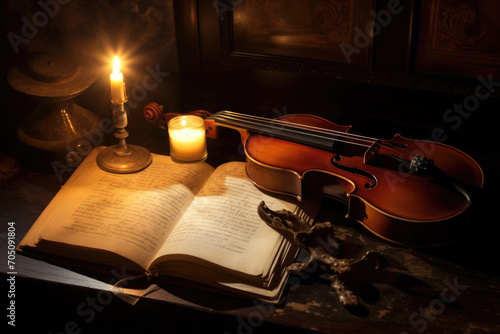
x,y
187,138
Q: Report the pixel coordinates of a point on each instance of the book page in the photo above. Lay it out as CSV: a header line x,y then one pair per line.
x,y
128,214
222,224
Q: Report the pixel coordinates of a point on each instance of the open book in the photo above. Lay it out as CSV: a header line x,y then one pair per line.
x,y
187,221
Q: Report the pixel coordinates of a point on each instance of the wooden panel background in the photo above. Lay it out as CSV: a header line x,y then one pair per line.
x,y
310,30
304,41
459,38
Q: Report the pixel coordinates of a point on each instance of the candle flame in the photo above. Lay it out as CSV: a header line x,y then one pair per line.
x,y
183,122
116,65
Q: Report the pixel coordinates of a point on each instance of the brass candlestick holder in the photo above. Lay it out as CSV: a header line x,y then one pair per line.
x,y
123,158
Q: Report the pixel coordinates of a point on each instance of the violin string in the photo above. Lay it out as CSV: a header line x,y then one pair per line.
x,y
270,123
299,130
302,126
290,127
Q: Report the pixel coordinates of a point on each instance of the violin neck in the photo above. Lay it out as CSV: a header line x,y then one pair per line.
x,y
275,129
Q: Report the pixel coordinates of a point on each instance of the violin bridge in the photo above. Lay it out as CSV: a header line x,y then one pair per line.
x,y
371,152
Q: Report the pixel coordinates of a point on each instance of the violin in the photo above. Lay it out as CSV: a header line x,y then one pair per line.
x,y
411,192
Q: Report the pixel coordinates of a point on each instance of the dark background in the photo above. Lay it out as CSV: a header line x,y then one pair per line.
x,y
404,86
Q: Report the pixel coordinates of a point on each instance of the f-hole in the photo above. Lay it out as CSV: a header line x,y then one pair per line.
x,y
355,171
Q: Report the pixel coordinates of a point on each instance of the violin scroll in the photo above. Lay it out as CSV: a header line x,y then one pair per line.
x,y
155,114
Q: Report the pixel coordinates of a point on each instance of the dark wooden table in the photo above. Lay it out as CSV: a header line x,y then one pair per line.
x,y
450,289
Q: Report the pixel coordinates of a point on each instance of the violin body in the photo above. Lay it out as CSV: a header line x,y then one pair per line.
x,y
382,183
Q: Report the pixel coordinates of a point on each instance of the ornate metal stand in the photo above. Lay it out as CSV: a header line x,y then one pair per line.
x,y
123,158
54,80
319,242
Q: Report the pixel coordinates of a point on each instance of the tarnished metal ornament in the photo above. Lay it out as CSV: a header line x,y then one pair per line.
x,y
54,80
319,242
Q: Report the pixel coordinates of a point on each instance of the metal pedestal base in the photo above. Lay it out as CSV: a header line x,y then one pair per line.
x,y
134,159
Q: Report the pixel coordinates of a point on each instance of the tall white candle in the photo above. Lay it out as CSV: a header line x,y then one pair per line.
x,y
117,84
187,138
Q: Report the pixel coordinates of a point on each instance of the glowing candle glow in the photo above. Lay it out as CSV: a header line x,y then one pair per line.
x,y
187,138
117,84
